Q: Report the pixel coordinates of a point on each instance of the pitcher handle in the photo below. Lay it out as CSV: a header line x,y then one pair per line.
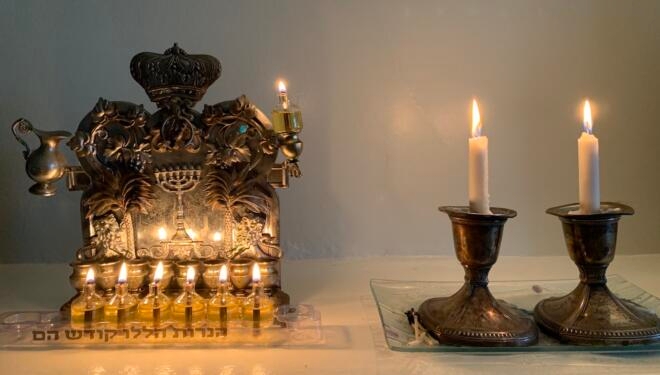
x,y
22,126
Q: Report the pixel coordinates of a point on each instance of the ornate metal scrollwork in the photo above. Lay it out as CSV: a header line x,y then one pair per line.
x,y
209,178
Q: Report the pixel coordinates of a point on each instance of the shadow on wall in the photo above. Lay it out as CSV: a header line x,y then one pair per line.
x,y
314,197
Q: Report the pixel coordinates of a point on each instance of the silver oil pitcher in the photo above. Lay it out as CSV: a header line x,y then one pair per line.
x,y
46,164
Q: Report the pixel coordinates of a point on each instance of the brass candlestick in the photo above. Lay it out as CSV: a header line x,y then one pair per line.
x,y
591,313
472,316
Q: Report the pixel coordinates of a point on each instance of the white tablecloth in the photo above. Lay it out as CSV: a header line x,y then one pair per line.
x,y
340,290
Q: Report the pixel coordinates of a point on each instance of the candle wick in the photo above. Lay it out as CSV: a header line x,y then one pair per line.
x,y
257,295
477,131
223,293
156,296
284,100
89,294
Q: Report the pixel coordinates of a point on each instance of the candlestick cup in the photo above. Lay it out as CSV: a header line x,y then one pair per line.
x,y
239,275
108,272
168,272
472,316
211,274
138,270
181,270
77,279
591,313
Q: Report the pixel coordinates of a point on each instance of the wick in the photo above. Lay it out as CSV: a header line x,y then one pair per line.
x,y
284,100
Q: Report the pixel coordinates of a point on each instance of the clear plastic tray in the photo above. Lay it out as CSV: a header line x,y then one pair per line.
x,y
394,297
293,326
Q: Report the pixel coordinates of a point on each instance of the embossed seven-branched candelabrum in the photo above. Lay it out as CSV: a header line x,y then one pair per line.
x,y
591,313
472,316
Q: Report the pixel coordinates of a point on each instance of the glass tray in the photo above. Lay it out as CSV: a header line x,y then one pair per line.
x,y
394,297
293,326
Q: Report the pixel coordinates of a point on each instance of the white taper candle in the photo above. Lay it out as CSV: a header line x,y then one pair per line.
x,y
588,166
478,166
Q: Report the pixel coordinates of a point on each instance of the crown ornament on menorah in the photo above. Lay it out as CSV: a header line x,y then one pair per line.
x,y
175,74
176,185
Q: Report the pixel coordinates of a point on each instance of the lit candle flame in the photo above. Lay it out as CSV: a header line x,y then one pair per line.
x,y
223,273
476,119
123,274
587,123
90,278
191,233
217,237
158,275
281,87
190,274
162,234
256,273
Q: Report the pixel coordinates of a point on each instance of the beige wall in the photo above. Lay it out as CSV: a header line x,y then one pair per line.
x,y
385,87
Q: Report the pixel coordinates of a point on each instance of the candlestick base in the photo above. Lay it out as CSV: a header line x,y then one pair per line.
x,y
472,316
591,313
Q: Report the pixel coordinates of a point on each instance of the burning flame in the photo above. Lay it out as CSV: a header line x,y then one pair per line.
x,y
223,273
256,273
281,87
217,237
587,123
191,233
123,274
90,278
162,234
190,275
476,119
158,275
